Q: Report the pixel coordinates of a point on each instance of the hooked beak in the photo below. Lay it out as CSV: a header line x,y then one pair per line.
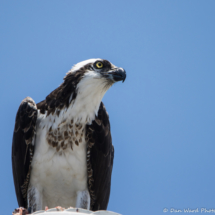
x,y
118,74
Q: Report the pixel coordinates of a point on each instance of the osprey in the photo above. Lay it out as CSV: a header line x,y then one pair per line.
x,y
62,152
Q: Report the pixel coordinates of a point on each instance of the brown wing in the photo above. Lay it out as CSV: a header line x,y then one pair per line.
x,y
100,154
22,148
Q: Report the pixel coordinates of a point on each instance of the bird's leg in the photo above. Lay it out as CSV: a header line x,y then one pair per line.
x,y
35,199
83,199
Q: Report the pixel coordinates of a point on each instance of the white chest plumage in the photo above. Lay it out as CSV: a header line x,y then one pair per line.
x,y
59,167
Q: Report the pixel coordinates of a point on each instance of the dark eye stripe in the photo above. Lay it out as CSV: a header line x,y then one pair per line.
x,y
105,64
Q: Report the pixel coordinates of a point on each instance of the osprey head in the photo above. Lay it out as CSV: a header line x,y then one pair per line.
x,y
99,68
91,79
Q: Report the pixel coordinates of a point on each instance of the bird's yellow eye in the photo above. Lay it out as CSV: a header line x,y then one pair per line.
x,y
99,65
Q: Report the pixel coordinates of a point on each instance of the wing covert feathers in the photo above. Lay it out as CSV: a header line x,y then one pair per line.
x,y
100,154
23,148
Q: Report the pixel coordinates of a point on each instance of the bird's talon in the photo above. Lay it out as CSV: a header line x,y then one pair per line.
x,y
20,211
59,208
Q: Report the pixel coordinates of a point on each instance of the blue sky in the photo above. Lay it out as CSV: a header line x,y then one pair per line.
x,y
162,117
